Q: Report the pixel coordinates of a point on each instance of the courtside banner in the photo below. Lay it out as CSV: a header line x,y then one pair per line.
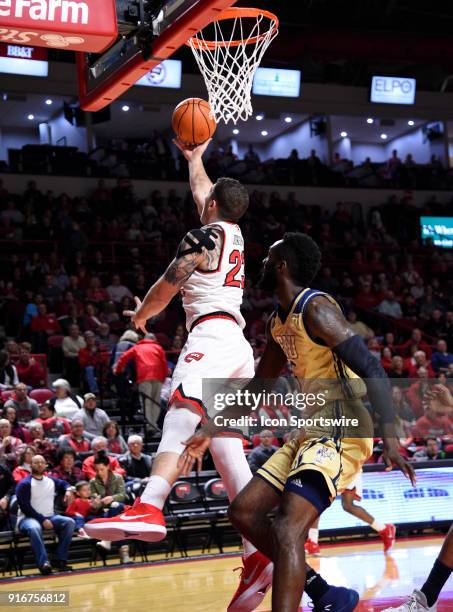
x,y
340,408
73,25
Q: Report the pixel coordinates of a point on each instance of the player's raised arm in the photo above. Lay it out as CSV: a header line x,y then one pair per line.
x,y
327,323
200,248
200,183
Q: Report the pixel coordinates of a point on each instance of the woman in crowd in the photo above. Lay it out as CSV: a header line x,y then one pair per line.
x,y
10,446
8,372
24,468
115,441
17,430
109,493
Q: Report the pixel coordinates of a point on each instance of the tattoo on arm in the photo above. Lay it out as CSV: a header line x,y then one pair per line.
x,y
200,248
324,320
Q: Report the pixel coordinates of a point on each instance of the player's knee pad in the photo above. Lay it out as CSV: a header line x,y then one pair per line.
x,y
179,424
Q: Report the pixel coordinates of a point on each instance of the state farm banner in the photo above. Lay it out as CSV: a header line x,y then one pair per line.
x,y
88,25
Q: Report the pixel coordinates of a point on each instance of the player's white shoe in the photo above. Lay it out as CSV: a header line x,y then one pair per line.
x,y
416,603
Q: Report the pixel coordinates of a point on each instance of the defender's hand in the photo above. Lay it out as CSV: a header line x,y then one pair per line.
x,y
392,457
196,446
137,319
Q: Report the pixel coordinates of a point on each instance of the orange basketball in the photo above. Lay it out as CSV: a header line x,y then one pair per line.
x,y
193,121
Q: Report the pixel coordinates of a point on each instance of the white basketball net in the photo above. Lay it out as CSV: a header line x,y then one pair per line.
x,y
228,70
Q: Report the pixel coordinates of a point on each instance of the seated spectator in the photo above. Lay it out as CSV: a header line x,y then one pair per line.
x,y
415,343
151,367
117,291
126,341
90,320
35,496
10,446
386,358
417,361
72,344
359,327
93,418
23,468
42,327
397,369
115,441
390,306
108,489
35,437
261,453
28,369
53,426
77,440
435,422
82,509
100,444
374,348
7,485
17,430
66,469
441,358
402,407
96,293
93,362
136,464
105,339
66,403
8,372
430,452
416,393
27,409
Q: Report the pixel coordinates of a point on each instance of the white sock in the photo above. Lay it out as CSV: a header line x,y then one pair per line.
x,y
313,535
377,526
156,492
106,544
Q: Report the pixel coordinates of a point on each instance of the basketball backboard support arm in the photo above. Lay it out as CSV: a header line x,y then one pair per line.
x,y
103,81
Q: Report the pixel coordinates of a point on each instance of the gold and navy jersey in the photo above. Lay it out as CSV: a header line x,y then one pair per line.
x,y
311,358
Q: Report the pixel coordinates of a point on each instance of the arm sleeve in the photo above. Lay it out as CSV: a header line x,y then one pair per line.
x,y
23,494
60,485
355,354
120,495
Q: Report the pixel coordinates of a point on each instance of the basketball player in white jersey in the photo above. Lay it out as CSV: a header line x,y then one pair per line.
x,y
209,271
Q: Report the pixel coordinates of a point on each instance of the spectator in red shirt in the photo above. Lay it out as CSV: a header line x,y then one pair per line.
x,y
35,437
82,508
77,440
416,393
151,370
415,343
417,361
24,464
116,444
28,369
386,359
66,470
26,408
42,326
435,422
53,426
366,298
92,362
97,444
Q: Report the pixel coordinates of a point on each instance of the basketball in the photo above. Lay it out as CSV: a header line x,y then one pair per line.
x,y
193,121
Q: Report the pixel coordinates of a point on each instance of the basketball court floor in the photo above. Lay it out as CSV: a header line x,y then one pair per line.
x,y
205,584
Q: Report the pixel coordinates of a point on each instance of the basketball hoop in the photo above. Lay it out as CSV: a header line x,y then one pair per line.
x,y
229,61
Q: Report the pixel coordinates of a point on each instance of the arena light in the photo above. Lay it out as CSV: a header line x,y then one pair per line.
x,y
30,117
344,134
370,120
384,136
264,133
259,117
235,131
288,119
411,122
49,102
125,108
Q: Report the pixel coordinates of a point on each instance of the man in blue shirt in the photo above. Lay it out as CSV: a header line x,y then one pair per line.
x,y
35,496
441,359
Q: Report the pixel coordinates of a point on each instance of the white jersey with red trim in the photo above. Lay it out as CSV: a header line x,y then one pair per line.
x,y
221,289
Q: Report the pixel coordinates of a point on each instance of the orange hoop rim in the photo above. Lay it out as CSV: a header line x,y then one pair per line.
x,y
236,12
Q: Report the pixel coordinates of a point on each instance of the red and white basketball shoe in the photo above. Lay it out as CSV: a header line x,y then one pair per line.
x,y
312,548
388,536
139,522
256,579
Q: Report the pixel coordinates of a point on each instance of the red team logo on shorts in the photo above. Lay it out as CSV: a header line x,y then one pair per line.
x,y
193,357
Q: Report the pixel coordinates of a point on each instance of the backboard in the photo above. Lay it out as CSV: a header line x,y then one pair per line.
x,y
150,32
